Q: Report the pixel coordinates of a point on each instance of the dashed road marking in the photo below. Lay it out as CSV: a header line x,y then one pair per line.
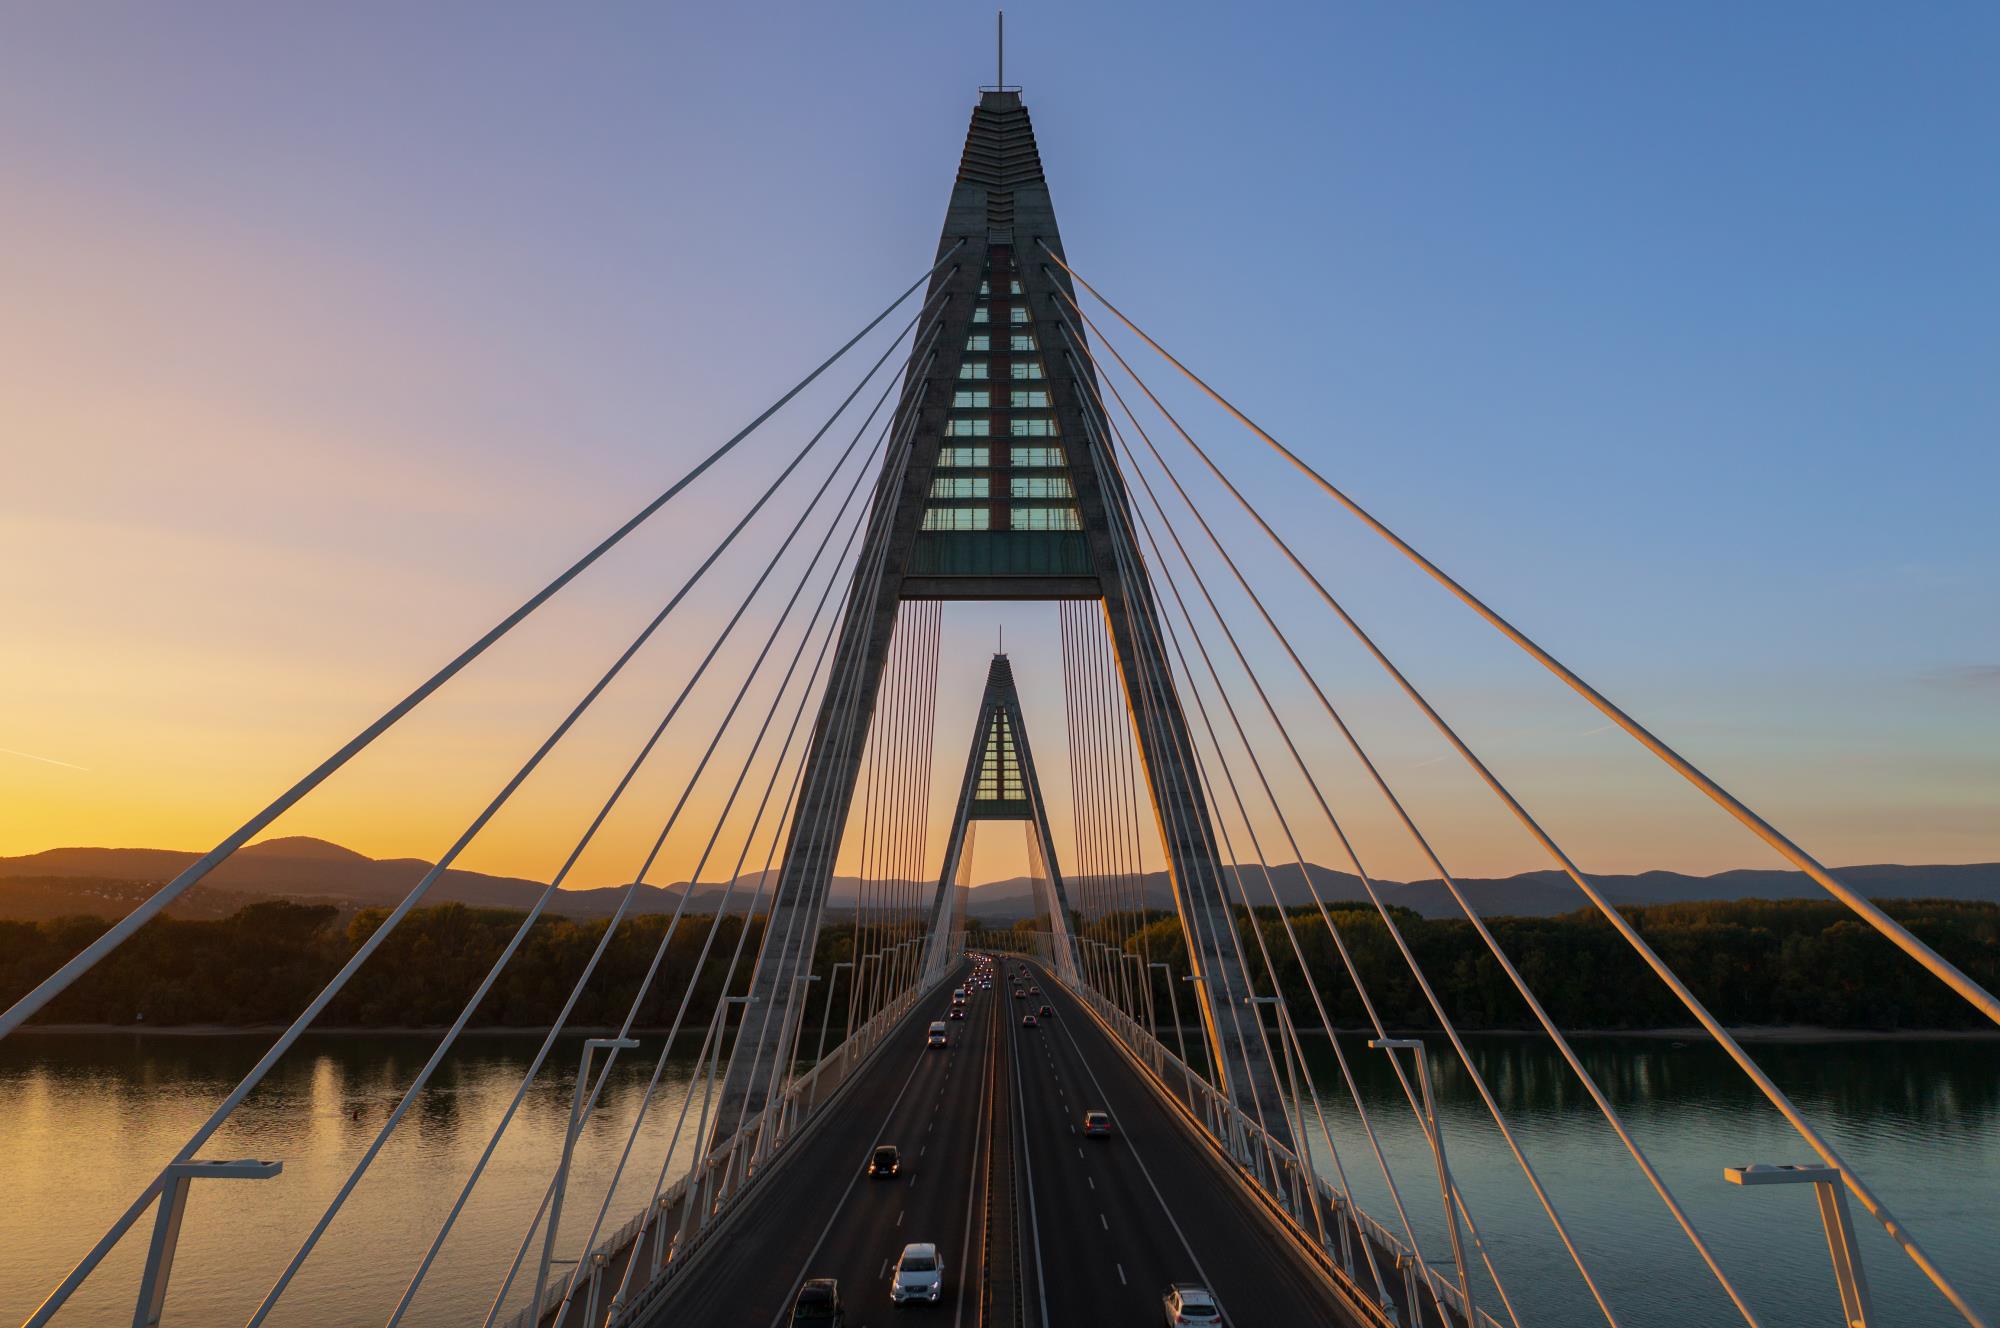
x,y
1100,1221
1121,1274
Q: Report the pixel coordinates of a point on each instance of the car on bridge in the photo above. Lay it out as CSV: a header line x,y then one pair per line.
x,y
1046,1012
938,1036
1020,995
1191,1305
819,1304
1097,1124
957,1012
919,1275
1028,1019
884,1161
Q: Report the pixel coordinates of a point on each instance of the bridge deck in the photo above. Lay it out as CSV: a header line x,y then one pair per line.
x,y
1101,1225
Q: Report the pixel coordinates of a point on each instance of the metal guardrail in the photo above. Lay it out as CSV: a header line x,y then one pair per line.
x,y
1276,1170
724,1177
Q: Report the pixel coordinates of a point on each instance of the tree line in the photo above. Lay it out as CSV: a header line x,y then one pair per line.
x,y
1750,961
266,962
1792,961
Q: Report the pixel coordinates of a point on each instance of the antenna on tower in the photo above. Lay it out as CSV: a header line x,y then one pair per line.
x,y
999,54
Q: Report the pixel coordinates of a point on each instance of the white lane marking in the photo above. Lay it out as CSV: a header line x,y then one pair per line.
x,y
1121,1274
1100,1221
1079,1150
899,1220
1132,1151
883,1269
925,1149
1088,1181
785,1309
1028,1176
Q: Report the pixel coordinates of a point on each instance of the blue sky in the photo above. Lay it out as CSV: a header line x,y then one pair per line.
x,y
1671,330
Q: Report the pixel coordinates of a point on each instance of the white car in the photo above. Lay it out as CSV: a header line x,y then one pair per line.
x,y
919,1275
1191,1305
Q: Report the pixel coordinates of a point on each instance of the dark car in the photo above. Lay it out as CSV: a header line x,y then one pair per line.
x,y
1097,1124
1046,1012
957,1012
819,1303
884,1162
1028,1020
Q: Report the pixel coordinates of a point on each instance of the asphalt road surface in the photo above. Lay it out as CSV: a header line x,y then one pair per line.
x,y
1115,1220
824,1218
1105,1224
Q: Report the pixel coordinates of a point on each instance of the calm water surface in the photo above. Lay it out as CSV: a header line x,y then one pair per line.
x,y
84,1121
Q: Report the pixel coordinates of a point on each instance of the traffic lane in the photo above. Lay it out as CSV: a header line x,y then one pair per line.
x,y
936,1129
735,1284
1095,1246
1248,1262
1108,1245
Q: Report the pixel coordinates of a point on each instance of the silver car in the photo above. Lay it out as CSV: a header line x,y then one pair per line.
x,y
919,1275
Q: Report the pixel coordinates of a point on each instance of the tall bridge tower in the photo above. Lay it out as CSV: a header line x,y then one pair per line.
x,y
1000,487
1000,784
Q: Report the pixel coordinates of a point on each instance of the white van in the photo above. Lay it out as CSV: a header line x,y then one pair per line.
x,y
937,1037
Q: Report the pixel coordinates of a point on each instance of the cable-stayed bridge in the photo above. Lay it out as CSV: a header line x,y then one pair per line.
x,y
1005,437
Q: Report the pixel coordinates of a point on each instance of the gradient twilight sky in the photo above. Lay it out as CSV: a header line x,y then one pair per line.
x,y
327,333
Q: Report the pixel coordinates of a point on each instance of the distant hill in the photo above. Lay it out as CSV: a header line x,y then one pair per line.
x,y
1543,893
110,881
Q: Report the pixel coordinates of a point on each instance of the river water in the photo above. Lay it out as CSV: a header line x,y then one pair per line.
x,y
86,1120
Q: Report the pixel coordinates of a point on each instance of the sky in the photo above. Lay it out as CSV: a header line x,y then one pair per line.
x,y
330,334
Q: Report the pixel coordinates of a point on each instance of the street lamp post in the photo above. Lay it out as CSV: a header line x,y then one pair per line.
x,y
167,1226
591,1047
1832,1194
1435,1132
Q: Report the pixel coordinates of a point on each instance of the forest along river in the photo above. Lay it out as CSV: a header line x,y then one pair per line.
x,y
85,1120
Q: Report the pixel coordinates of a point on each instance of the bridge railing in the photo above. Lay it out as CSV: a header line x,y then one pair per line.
x,y
666,1235
1283,1177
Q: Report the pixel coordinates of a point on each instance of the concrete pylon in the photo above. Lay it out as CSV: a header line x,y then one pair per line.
x,y
1000,784
997,491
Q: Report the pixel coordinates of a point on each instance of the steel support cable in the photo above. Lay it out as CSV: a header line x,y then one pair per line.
x,y
1132,898
654,1215
1126,550
1196,921
1155,692
722,906
1080,786
1127,793
1222,825
1363,875
1113,831
88,1264
1073,742
1862,1193
1590,1085
750,836
500,963
1352,970
1104,899
84,960
936,610
1981,999
1457,1199
846,691
1105,880
605,940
